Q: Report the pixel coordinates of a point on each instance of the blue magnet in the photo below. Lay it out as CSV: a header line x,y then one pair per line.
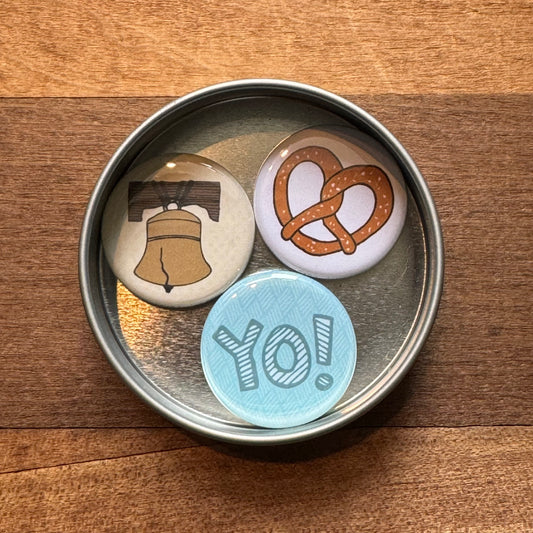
x,y
278,349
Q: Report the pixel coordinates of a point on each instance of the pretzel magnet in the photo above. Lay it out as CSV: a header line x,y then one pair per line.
x,y
330,203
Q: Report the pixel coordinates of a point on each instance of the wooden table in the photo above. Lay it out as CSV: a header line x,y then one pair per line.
x,y
450,449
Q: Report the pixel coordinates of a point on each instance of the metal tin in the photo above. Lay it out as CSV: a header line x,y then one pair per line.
x,y
156,351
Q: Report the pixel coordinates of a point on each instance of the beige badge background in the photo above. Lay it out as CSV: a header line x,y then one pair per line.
x,y
226,244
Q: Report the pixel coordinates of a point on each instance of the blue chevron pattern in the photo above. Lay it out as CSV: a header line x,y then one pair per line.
x,y
258,319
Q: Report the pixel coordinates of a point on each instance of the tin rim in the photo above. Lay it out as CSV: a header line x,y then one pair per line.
x,y
89,253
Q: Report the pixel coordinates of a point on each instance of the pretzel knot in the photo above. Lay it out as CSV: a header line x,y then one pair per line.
x,y
336,181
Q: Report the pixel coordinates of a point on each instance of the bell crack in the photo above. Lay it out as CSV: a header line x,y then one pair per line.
x,y
166,285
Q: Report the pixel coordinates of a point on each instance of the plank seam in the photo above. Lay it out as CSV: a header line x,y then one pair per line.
x,y
345,428
347,96
74,463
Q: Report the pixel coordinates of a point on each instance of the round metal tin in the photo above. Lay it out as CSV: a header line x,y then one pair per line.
x,y
157,351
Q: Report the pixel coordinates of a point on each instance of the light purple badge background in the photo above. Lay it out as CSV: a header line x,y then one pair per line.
x,y
352,147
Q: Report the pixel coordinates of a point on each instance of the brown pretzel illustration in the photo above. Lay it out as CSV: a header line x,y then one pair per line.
x,y
336,181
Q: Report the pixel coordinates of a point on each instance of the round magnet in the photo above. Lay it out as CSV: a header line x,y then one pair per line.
x,y
330,202
278,349
178,230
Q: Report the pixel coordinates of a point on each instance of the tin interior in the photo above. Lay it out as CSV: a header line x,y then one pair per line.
x,y
158,350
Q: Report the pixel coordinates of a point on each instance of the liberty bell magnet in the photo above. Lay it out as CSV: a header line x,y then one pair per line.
x,y
178,230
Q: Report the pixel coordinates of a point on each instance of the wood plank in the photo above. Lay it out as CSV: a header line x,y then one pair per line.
x,y
61,146
475,153
477,162
388,479
26,449
162,47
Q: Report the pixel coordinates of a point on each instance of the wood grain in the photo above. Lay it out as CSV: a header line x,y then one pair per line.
x,y
162,47
453,81
475,153
388,479
28,449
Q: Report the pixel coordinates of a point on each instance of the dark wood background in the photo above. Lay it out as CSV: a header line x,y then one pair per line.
x,y
450,449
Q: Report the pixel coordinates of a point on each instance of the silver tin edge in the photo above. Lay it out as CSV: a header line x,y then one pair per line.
x,y
89,251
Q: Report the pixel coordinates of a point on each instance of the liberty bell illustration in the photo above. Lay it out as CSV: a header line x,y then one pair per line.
x,y
173,255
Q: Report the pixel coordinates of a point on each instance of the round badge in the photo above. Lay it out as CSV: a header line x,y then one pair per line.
x,y
278,349
168,228
330,203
